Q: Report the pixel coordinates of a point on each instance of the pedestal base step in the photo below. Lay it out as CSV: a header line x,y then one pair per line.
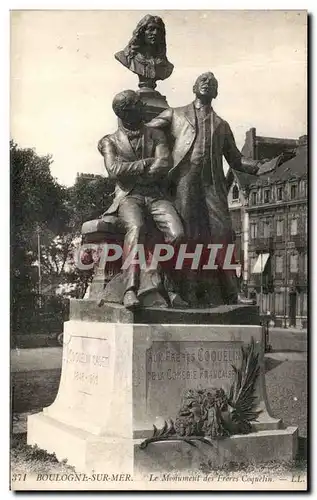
x,y
110,455
84,451
254,448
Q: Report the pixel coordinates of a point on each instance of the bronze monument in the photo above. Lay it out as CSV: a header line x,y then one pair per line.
x,y
170,168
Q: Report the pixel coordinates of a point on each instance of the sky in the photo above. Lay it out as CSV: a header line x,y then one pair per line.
x,y
64,75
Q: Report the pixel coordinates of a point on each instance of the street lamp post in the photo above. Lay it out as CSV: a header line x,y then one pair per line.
x,y
261,292
39,266
239,274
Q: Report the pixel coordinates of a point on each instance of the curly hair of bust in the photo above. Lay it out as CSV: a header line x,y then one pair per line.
x,y
214,80
122,100
136,44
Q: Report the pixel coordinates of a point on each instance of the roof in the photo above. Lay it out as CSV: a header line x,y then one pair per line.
x,y
268,147
259,147
245,179
290,164
295,167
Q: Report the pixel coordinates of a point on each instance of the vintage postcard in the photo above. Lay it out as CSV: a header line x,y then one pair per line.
x,y
159,250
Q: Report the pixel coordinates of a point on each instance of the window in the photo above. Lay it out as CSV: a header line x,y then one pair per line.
x,y
235,192
305,263
294,263
266,196
294,226
111,272
253,230
298,304
265,302
236,221
279,193
304,304
279,227
253,198
253,261
279,262
293,192
267,229
279,302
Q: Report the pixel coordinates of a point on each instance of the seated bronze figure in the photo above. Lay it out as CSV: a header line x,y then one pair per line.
x,y
138,158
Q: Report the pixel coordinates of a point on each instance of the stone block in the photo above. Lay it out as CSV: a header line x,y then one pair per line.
x,y
257,447
83,450
118,379
89,310
154,102
108,224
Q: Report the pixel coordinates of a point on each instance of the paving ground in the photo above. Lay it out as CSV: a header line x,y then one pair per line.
x,y
40,358
288,340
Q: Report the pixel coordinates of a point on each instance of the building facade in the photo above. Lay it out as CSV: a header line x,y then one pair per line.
x,y
269,217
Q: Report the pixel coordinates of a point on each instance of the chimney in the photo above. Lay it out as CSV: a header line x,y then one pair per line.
x,y
302,140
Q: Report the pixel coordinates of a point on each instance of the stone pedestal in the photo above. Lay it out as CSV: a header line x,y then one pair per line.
x,y
154,101
119,377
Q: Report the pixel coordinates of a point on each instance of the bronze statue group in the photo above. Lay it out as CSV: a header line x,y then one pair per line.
x,y
169,172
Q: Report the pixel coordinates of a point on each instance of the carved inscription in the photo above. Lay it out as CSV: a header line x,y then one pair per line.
x,y
200,363
87,365
73,356
172,367
90,378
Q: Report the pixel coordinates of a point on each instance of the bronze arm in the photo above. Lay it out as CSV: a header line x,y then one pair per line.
x,y
117,168
234,157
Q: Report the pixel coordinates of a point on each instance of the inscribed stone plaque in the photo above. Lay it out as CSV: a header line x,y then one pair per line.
x,y
87,381
172,367
86,363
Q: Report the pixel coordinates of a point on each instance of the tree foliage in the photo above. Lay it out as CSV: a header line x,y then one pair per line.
x,y
45,212
89,197
37,198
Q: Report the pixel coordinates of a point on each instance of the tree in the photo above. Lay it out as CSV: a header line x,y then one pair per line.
x,y
90,196
87,199
59,264
45,212
37,201
37,198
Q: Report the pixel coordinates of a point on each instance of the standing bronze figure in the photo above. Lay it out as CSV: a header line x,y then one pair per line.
x,y
201,139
